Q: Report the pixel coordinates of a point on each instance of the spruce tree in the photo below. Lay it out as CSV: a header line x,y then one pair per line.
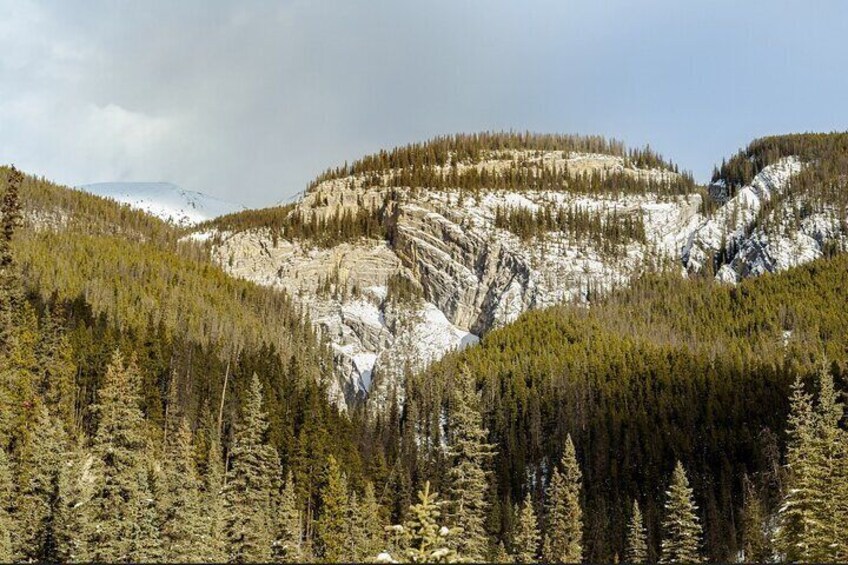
x,y
75,491
5,520
184,516
213,498
525,543
121,517
564,516
248,526
37,494
367,524
468,478
681,530
333,527
288,545
636,549
423,538
799,509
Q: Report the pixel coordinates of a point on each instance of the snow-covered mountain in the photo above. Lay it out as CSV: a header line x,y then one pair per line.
x,y
474,275
164,200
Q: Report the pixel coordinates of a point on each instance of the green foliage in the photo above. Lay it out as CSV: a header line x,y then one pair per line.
x,y
288,545
681,529
250,482
636,549
423,538
333,528
6,522
525,542
755,542
120,521
563,514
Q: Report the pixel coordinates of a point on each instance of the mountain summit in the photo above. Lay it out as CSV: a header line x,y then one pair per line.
x,y
164,200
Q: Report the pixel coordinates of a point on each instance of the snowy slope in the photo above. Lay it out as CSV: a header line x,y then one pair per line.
x,y
164,200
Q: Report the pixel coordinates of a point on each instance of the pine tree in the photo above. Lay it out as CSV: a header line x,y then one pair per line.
x,y
248,492
636,550
184,534
5,520
288,545
75,492
564,516
333,527
755,542
121,517
467,476
11,290
681,530
37,493
525,543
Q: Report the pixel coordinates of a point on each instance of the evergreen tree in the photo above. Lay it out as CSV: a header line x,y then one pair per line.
x,y
75,491
248,527
636,550
288,545
333,527
5,519
37,493
525,543
424,540
213,499
184,516
564,516
367,525
813,515
755,543
681,530
467,476
121,518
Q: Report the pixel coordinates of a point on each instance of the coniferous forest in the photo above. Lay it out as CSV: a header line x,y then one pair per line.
x,y
155,409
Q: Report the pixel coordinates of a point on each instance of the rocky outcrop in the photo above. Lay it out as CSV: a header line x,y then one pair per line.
x,y
474,276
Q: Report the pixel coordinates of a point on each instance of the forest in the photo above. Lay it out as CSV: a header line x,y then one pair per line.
x,y
156,410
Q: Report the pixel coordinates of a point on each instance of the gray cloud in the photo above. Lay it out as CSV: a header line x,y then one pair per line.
x,y
249,100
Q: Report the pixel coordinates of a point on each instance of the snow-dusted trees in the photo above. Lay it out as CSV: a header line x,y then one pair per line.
x,y
681,530
467,475
563,514
525,542
247,496
814,514
120,522
422,537
636,549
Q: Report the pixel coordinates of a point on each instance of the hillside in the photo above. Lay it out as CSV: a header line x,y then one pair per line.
x,y
164,200
407,254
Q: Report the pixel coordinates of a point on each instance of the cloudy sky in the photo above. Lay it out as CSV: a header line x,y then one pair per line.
x,y
249,100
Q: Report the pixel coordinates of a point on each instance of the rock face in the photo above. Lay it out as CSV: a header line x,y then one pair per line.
x,y
472,276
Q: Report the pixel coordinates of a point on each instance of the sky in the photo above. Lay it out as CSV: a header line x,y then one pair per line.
x,y
248,101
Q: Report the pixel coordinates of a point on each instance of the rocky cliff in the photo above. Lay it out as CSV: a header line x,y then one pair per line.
x,y
448,270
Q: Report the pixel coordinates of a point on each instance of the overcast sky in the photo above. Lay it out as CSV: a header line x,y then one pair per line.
x,y
250,100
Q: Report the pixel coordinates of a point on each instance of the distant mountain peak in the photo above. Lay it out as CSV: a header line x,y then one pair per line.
x,y
164,200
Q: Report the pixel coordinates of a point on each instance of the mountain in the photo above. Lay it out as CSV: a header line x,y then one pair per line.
x,y
164,200
408,254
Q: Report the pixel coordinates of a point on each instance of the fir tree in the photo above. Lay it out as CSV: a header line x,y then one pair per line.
x,y
525,543
288,545
424,540
564,516
636,549
333,527
248,492
366,525
37,493
681,530
121,519
213,499
467,476
184,516
75,491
